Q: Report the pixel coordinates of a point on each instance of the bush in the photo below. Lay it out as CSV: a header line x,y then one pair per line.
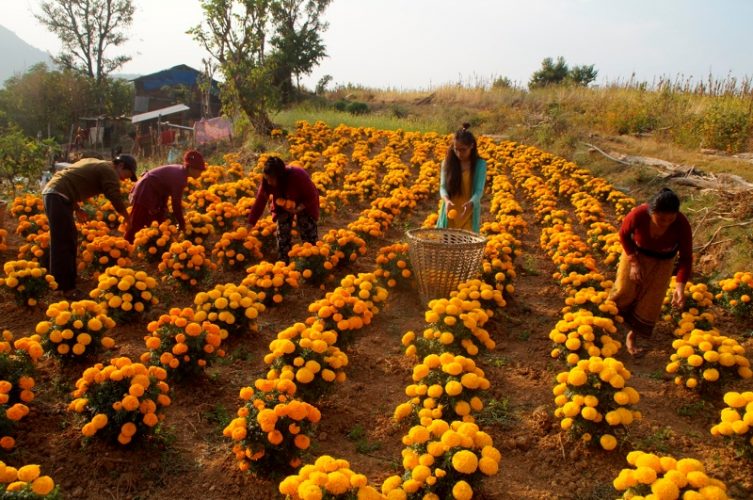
x,y
666,477
341,481
27,280
459,456
122,401
126,293
357,108
76,328
26,482
725,127
446,387
180,344
234,308
272,428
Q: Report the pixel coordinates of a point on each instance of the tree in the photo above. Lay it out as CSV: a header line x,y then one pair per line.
x,y
558,73
582,75
297,39
88,29
50,102
22,159
551,73
235,33
239,34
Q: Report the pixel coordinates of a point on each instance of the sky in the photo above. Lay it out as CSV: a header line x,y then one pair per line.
x,y
420,44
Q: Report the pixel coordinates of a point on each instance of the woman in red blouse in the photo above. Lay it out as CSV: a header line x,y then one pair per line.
x,y
294,196
652,235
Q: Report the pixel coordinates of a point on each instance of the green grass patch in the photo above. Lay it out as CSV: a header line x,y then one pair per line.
x,y
694,409
497,360
333,118
358,435
657,442
497,412
219,416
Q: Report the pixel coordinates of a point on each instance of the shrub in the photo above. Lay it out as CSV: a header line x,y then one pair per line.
x,y
272,282
445,387
126,293
236,249
272,428
393,266
151,242
340,482
182,345
186,263
309,356
736,294
26,482
16,383
315,262
593,401
736,422
725,127
199,227
666,477
706,359
234,308
75,328
444,460
27,280
122,401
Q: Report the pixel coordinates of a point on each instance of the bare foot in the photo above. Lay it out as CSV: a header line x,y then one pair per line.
x,y
631,348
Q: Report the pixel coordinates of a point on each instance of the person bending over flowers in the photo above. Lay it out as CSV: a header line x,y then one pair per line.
x,y
149,196
652,236
294,197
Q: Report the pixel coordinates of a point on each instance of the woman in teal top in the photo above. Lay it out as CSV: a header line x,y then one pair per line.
x,y
461,184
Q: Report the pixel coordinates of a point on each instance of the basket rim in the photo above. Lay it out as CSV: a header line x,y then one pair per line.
x,y
415,235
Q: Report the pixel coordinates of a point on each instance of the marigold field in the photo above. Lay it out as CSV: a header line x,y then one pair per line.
x,y
199,367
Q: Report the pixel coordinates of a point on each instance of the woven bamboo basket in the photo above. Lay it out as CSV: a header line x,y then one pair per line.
x,y
444,258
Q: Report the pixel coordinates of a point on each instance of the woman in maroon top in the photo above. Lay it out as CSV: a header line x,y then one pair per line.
x,y
149,195
652,235
294,196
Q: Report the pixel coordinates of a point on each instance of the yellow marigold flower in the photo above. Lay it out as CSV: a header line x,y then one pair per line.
x,y
645,475
42,485
462,491
465,461
488,466
608,442
28,473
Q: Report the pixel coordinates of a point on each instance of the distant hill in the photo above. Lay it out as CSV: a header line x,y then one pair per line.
x,y
17,56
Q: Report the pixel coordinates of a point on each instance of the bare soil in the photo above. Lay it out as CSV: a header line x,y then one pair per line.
x,y
192,460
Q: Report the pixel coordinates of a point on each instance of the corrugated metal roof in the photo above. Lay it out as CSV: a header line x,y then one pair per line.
x,y
151,115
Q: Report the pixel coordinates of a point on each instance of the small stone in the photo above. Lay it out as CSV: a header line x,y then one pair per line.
x,y
522,442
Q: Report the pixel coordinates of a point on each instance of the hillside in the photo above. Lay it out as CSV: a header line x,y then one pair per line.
x,y
17,56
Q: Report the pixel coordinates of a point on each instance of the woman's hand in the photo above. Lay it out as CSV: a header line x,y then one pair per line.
x,y
447,203
635,270
468,205
678,297
81,215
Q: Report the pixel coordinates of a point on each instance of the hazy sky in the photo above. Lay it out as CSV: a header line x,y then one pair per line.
x,y
415,44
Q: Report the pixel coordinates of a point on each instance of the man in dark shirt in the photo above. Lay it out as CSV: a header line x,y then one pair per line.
x,y
62,195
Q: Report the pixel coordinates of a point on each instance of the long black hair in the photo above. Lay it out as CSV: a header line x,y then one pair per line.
x,y
275,167
665,201
453,173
